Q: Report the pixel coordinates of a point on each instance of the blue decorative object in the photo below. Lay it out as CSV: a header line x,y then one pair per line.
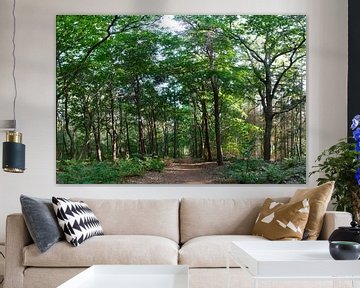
x,y
355,126
357,147
355,122
357,176
356,134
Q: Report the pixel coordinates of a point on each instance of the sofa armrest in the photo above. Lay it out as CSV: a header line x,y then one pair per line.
x,y
333,220
17,237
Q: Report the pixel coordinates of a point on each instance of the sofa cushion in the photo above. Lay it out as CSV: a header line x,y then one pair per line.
x,y
158,217
77,220
201,217
41,221
279,221
107,249
319,198
211,251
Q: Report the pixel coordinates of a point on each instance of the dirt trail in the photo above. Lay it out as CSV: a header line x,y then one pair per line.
x,y
183,172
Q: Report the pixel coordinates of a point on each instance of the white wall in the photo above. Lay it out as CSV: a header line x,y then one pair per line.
x,y
327,67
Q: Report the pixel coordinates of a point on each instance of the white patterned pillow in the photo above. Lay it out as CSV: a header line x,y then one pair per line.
x,y
77,220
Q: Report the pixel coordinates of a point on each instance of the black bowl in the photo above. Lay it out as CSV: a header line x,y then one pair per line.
x,y
344,250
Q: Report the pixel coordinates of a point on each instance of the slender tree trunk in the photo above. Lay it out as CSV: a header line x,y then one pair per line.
x,y
113,129
175,138
108,135
216,95
97,144
195,138
292,134
207,150
268,112
121,129
64,141
67,126
98,148
165,132
276,142
87,126
151,136
156,152
127,135
166,139
219,154
201,141
300,131
139,117
267,135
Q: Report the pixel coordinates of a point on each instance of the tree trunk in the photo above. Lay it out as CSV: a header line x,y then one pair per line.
x,y
64,142
151,136
127,136
195,138
268,112
215,90
139,117
166,139
156,152
300,131
175,138
292,135
219,155
276,144
207,150
120,137
201,144
97,144
113,129
87,129
267,134
67,127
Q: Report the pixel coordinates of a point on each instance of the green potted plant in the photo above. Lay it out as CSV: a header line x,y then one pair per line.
x,y
341,163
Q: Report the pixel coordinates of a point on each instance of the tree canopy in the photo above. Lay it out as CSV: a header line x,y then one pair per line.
x,y
209,87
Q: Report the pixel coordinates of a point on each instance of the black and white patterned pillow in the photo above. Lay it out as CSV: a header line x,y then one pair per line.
x,y
77,220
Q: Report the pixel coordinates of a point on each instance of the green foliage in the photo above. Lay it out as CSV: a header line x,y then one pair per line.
x,y
153,164
339,163
85,172
76,172
135,85
258,171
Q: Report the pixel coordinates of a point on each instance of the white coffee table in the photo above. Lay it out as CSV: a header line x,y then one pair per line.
x,y
131,276
293,260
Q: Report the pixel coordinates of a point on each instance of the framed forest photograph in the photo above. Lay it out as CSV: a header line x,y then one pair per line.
x,y
181,99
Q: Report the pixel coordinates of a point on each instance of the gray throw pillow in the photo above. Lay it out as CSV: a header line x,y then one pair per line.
x,y
41,221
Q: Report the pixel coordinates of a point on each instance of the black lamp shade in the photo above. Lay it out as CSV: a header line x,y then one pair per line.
x,y
13,157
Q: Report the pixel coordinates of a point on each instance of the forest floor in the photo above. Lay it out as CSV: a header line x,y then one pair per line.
x,y
184,171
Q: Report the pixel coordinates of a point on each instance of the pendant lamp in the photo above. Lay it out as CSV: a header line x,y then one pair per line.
x,y
13,149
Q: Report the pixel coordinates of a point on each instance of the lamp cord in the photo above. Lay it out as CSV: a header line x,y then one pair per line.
x,y
14,59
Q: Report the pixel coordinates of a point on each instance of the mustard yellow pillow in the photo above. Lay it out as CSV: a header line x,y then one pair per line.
x,y
279,221
319,198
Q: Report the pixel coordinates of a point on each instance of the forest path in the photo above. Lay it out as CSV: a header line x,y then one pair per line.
x,y
184,171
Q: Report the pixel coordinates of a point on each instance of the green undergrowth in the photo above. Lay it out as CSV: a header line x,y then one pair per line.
x,y
257,171
105,172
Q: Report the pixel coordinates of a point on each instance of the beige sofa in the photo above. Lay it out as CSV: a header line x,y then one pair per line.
x,y
194,232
